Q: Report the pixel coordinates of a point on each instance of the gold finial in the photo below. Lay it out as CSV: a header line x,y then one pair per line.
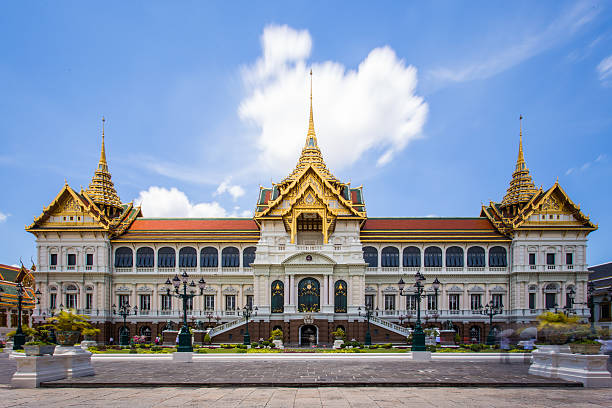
x,y
103,151
66,181
311,138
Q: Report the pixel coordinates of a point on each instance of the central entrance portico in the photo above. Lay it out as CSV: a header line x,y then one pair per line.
x,y
309,335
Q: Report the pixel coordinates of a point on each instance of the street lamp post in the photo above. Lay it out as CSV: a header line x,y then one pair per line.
x,y
247,312
368,314
491,309
19,338
124,311
184,334
418,336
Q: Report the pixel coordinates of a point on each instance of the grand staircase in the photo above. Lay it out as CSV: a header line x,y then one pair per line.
x,y
396,328
222,328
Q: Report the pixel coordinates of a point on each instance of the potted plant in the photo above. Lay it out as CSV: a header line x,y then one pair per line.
x,y
339,334
90,333
276,335
40,344
68,327
555,330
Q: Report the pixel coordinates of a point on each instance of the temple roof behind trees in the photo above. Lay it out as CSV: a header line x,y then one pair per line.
x,y
601,276
9,276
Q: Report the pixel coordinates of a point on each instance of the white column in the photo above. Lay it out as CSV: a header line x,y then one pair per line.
x,y
287,294
293,290
330,294
325,294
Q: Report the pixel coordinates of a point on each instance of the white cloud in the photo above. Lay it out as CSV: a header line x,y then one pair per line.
x,y
161,202
601,158
371,108
3,216
225,187
507,56
605,71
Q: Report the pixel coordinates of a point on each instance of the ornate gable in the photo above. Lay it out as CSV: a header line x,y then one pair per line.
x,y
70,210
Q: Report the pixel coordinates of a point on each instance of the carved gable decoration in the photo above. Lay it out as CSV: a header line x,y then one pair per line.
x,y
123,289
390,289
249,290
454,289
144,289
552,204
308,259
370,289
210,289
230,289
498,289
476,289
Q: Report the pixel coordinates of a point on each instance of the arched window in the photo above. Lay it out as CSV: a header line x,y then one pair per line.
x,y
433,257
476,257
248,256
475,334
497,257
370,256
454,256
146,332
230,257
145,257
277,300
188,257
340,290
308,295
123,257
209,257
412,256
166,257
390,257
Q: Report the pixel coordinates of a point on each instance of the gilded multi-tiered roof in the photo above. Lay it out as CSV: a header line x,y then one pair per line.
x,y
101,189
522,188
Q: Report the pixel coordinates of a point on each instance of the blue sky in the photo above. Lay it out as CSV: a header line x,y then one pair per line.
x,y
419,102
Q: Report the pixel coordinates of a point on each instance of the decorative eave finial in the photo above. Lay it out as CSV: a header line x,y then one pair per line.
x,y
520,161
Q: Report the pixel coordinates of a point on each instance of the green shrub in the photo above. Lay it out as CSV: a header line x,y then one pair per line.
x,y
387,346
254,344
276,335
431,348
202,351
241,350
207,339
133,351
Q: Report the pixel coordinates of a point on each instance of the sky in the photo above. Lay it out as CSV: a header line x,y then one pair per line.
x,y
419,102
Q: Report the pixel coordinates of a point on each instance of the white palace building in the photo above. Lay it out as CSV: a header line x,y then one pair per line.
x,y
311,260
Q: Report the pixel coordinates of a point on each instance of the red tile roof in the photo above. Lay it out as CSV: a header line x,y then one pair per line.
x,y
428,224
179,224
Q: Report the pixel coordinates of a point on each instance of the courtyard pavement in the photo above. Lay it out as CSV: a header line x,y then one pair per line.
x,y
299,372
332,397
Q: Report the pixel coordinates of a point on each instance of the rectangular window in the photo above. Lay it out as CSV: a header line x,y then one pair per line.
x,y
230,302
190,304
453,302
89,301
71,300
411,303
432,302
532,301
71,259
124,300
52,300
53,259
550,259
475,301
89,260
497,300
551,300
389,302
569,259
249,301
369,301
209,302
532,259
145,302
166,302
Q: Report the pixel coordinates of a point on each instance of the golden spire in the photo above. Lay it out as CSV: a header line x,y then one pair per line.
x,y
311,137
521,187
311,154
101,189
102,163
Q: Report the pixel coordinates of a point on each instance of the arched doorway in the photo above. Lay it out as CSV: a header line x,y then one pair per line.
x,y
145,331
475,334
309,295
308,335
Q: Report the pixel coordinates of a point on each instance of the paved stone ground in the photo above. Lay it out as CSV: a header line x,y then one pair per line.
x,y
279,372
332,397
